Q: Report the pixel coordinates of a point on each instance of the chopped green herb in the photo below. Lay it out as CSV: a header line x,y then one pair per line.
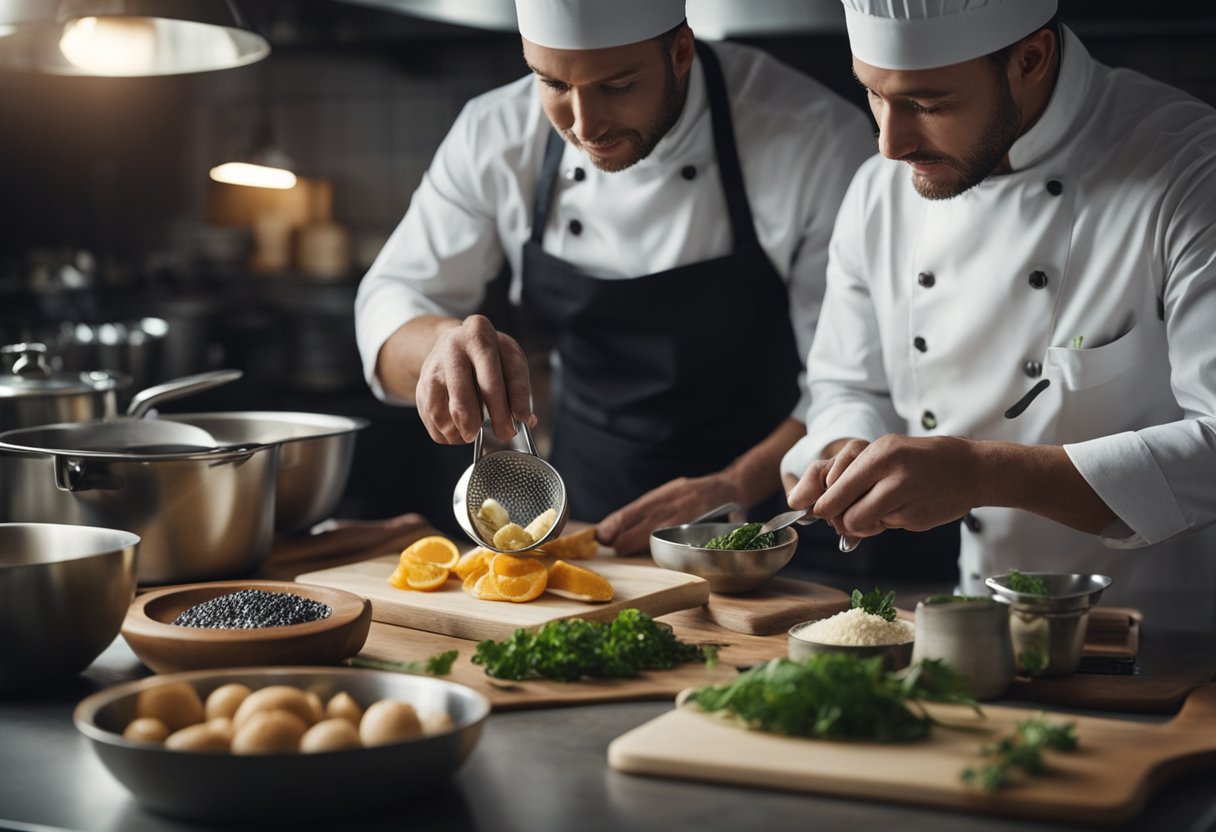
x,y
836,695
571,648
1033,661
439,664
1026,584
1021,751
875,603
744,537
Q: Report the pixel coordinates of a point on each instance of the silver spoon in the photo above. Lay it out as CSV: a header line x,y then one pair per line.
x,y
788,518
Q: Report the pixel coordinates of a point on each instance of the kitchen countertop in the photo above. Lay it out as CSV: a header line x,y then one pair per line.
x,y
533,770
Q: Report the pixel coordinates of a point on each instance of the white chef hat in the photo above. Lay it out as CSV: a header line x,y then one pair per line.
x,y
595,24
923,34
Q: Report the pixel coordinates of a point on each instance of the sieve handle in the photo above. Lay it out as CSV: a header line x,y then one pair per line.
x,y
520,427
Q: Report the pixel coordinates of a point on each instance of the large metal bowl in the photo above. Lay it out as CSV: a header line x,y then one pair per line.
x,y
282,787
315,454
63,593
682,548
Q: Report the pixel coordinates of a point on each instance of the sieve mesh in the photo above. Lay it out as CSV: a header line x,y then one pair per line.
x,y
525,485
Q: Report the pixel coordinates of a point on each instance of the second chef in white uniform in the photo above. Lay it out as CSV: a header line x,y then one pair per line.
x,y
1020,322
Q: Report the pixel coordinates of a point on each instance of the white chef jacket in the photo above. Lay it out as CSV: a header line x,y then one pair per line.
x,y
799,145
940,315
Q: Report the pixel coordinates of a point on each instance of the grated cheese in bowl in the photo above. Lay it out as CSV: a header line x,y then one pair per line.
x,y
857,628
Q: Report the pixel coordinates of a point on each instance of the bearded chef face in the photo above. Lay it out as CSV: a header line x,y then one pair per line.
x,y
614,104
952,125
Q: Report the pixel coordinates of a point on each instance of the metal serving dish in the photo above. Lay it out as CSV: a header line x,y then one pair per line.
x,y
315,454
283,787
64,591
1048,631
682,548
799,647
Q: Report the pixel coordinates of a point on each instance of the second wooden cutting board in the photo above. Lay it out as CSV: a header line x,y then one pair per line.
x,y
452,612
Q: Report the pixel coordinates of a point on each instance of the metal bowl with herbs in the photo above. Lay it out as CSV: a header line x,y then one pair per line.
x,y
1048,616
688,548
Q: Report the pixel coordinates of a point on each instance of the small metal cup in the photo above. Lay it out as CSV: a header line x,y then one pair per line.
x,y
1048,631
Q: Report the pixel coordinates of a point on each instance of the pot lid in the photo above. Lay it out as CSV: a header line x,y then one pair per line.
x,y
31,376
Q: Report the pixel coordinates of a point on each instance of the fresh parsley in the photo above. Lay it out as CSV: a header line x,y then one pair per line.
x,y
439,664
1023,750
836,695
1026,584
744,537
875,603
571,648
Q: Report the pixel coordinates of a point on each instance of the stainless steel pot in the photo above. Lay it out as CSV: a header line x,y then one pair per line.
x,y
201,513
32,394
315,454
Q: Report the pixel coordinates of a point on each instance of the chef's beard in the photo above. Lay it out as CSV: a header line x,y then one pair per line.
x,y
997,136
642,144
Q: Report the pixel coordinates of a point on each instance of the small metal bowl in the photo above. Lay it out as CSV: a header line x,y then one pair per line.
x,y
283,787
1048,631
682,549
800,648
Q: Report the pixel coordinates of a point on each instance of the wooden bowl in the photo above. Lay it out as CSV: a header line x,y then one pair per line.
x,y
169,648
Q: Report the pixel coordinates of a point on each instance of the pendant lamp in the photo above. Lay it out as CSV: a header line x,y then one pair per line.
x,y
127,38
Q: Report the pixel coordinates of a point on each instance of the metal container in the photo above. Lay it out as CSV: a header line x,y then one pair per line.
x,y
1048,631
972,636
800,647
202,513
32,394
682,548
64,591
315,455
284,787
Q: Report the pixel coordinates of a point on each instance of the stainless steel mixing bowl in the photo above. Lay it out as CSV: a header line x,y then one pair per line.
x,y
281,787
682,548
64,591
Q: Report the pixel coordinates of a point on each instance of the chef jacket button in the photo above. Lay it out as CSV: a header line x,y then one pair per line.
x,y
1038,279
973,524
926,279
1055,187
1033,369
927,420
576,174
689,172
920,343
575,227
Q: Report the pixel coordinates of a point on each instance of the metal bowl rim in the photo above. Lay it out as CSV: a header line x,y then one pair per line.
x,y
132,540
657,533
1006,595
353,423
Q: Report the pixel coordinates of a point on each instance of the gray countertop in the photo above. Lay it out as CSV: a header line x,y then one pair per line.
x,y
532,771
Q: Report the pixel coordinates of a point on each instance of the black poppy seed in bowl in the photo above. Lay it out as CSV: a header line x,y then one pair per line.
x,y
250,609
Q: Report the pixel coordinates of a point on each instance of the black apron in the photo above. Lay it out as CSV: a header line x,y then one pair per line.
x,y
669,374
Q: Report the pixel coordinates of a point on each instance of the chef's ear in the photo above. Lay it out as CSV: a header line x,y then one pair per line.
x,y
1034,58
682,48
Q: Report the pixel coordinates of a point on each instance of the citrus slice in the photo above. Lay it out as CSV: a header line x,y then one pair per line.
x,y
578,546
485,587
576,582
470,560
518,579
470,581
541,523
435,549
513,537
419,575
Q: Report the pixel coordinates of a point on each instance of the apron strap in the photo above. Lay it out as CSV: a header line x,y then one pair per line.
x,y
741,222
554,148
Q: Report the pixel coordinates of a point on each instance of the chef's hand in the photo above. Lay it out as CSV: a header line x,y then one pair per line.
x,y
896,481
470,364
628,529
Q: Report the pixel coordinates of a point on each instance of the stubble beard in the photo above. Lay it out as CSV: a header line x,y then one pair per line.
x,y
670,107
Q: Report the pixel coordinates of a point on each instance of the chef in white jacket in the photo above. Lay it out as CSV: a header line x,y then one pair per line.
x,y
664,208
1019,328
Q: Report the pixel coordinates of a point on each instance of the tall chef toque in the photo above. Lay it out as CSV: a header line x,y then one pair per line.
x,y
924,34
595,24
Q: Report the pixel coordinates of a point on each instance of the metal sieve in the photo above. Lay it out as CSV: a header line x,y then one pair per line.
x,y
523,483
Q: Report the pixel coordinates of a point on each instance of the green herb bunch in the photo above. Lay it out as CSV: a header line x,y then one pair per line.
x,y
1026,584
1023,750
569,649
744,537
875,603
837,695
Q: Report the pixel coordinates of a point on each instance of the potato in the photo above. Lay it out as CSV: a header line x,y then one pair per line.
x,y
198,737
389,721
541,523
315,707
513,537
330,735
272,731
225,699
344,706
437,722
146,729
176,704
274,697
223,726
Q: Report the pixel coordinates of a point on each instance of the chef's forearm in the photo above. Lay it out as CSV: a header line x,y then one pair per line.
x,y
1039,479
399,362
755,474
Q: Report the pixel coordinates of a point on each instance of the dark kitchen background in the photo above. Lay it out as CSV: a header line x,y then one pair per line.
x,y
108,217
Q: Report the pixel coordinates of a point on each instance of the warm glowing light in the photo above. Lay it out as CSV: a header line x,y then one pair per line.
x,y
254,176
110,45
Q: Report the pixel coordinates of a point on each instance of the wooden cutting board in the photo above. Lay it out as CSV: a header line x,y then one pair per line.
x,y
453,612
776,606
1108,780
